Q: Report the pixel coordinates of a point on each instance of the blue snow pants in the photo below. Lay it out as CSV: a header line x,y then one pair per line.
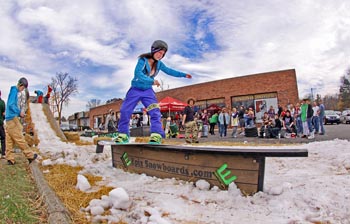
x,y
149,100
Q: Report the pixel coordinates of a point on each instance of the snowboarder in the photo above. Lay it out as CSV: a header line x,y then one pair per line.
x,y
147,68
39,96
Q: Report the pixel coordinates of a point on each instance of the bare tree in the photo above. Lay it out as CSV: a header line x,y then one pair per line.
x,y
344,91
331,101
93,103
63,87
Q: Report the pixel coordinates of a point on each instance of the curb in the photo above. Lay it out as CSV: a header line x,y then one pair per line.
x,y
56,210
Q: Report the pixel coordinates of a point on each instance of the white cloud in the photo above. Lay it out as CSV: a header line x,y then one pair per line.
x,y
41,38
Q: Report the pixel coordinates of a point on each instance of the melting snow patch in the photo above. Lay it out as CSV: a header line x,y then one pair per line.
x,y
46,162
277,190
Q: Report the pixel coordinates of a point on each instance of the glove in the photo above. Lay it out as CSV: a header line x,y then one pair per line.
x,y
188,76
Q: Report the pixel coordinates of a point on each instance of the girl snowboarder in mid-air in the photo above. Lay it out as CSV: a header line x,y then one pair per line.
x,y
147,68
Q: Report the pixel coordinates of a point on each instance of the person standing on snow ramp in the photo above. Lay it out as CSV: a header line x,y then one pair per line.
x,y
147,68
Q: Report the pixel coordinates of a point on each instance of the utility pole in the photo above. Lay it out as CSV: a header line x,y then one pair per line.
x,y
312,93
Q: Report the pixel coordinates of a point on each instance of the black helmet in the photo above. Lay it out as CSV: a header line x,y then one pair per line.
x,y
23,82
159,45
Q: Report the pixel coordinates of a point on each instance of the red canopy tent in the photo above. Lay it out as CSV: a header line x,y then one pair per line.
x,y
171,104
213,107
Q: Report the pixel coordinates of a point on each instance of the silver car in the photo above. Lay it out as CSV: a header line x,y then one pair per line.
x,y
331,117
345,117
65,127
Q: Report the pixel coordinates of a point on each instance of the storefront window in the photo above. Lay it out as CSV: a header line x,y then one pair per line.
x,y
261,103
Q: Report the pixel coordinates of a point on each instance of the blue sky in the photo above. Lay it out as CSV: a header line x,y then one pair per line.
x,y
98,41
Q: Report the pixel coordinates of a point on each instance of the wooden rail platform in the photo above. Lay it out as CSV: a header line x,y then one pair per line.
x,y
220,166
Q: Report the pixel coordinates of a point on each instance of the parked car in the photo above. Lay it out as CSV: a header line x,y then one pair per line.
x,y
345,117
73,127
84,128
331,117
337,112
65,127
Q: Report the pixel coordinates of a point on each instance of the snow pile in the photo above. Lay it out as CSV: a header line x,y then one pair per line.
x,y
119,198
202,185
82,183
297,190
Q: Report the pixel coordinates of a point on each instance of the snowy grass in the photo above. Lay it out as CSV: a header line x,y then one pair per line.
x,y
63,179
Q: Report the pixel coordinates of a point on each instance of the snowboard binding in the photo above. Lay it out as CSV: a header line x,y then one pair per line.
x,y
155,138
122,139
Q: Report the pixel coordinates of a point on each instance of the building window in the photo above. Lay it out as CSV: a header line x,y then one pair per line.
x,y
261,103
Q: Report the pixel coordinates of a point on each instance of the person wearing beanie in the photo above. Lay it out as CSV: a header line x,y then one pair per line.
x,y
145,73
188,121
14,127
2,130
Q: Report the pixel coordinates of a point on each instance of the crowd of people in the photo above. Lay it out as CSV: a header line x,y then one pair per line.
x,y
303,120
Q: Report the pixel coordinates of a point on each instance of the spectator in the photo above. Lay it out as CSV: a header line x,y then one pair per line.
x,y
181,127
241,118
100,127
213,121
250,118
13,127
224,120
266,126
167,127
110,120
48,94
133,121
234,122
309,120
145,118
271,112
283,112
280,109
304,109
288,123
292,110
188,121
138,120
315,118
205,121
2,130
297,118
276,126
321,117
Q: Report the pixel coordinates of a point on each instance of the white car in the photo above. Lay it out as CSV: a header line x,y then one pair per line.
x,y
345,117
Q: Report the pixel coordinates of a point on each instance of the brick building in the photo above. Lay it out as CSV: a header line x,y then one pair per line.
x,y
259,91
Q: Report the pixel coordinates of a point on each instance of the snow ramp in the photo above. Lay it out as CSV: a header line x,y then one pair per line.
x,y
40,112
